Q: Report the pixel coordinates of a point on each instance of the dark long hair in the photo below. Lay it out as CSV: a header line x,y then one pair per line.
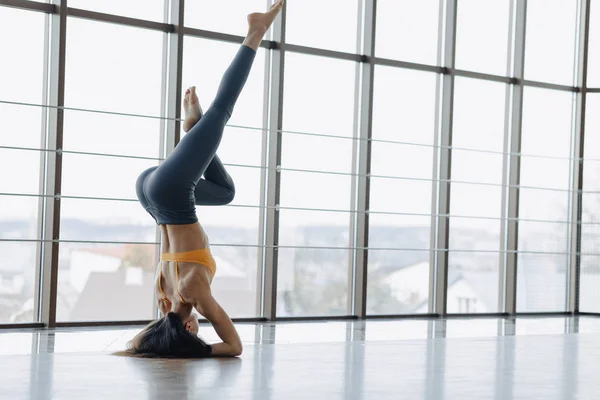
x,y
168,338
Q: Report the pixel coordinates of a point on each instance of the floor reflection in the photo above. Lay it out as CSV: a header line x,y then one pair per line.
x,y
529,358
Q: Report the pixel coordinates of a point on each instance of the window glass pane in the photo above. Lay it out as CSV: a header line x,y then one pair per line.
x,y
546,132
313,190
236,283
476,207
20,126
589,299
310,275
330,112
592,139
111,134
488,171
541,282
27,163
408,30
388,195
323,104
398,282
103,73
230,225
320,15
482,36
546,122
314,228
550,173
390,159
87,271
101,220
314,153
19,217
546,237
404,105
85,175
152,10
403,111
479,115
593,78
222,16
468,285
312,282
544,205
18,63
550,41
399,231
17,282
488,204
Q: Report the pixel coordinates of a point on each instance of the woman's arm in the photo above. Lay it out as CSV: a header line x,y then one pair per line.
x,y
212,311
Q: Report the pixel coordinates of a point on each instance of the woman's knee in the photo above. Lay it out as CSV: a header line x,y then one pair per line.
x,y
230,196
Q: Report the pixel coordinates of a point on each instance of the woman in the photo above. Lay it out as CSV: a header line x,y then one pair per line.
x,y
170,193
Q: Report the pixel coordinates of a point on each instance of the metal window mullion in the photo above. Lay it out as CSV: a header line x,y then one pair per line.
x,y
170,91
55,124
442,227
505,160
174,62
509,284
272,146
42,179
573,276
358,297
435,165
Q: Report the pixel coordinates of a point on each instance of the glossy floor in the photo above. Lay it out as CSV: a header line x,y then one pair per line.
x,y
526,358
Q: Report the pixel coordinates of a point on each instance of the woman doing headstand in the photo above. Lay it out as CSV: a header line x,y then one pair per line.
x,y
170,193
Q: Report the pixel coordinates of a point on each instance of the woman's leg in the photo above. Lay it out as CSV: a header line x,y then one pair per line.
x,y
183,169
172,188
217,188
189,160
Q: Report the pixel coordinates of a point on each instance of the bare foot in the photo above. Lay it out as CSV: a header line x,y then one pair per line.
x,y
192,109
262,21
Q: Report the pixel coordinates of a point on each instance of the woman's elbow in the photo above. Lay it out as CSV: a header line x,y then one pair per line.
x,y
237,350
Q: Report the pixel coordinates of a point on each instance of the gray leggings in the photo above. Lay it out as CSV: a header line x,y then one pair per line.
x,y
171,191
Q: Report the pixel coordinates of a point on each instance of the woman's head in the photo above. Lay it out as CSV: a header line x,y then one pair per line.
x,y
170,337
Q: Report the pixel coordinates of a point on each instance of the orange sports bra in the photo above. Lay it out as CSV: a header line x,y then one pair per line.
x,y
201,256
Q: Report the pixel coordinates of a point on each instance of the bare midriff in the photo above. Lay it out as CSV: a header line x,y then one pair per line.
x,y
180,239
